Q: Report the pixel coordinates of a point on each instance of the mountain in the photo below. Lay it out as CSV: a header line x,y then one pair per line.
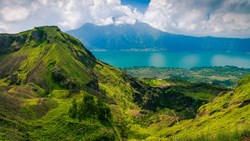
x,y
141,36
45,54
41,72
53,88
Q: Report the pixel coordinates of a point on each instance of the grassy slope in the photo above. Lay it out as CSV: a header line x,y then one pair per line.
x,y
227,117
39,58
47,70
45,112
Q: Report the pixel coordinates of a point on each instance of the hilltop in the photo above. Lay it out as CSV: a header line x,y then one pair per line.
x,y
42,71
53,88
45,54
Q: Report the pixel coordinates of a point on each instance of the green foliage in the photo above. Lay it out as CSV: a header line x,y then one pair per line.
x,y
183,97
41,71
73,110
89,109
226,117
48,58
52,88
104,113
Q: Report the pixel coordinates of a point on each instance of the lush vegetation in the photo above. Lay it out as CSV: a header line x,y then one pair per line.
x,y
226,117
226,76
52,88
88,108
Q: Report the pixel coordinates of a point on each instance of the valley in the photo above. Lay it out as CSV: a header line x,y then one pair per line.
x,y
53,88
227,76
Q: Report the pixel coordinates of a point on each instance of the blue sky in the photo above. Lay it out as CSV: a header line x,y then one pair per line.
x,y
221,18
141,5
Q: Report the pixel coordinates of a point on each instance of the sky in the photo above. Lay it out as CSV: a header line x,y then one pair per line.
x,y
141,5
220,18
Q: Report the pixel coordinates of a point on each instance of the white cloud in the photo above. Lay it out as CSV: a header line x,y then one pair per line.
x,y
193,17
14,14
229,18
68,14
3,27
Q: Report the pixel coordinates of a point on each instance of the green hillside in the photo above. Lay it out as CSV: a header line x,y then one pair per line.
x,y
45,55
42,75
52,88
226,117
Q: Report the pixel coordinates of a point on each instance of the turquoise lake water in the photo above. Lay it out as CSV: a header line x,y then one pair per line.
x,y
122,59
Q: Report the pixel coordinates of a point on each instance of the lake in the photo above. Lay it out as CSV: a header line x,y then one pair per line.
x,y
122,59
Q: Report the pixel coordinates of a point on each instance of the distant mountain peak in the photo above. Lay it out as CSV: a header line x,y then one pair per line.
x,y
142,36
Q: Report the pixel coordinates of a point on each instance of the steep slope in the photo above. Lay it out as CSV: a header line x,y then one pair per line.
x,y
42,71
52,88
141,36
44,56
227,117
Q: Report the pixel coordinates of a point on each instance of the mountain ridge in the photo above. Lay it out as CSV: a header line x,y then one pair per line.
x,y
141,36
39,44
53,88
40,79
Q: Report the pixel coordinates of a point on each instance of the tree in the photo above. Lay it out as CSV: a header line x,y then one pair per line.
x,y
87,108
81,112
89,103
73,109
104,114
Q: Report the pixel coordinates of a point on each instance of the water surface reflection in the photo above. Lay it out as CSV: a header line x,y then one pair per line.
x,y
173,59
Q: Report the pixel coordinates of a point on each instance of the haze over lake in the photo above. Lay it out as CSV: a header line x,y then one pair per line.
x,y
123,59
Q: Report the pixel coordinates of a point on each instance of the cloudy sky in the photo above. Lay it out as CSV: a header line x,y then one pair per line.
x,y
226,18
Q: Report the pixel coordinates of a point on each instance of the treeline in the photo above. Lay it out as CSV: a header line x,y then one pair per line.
x,y
88,108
